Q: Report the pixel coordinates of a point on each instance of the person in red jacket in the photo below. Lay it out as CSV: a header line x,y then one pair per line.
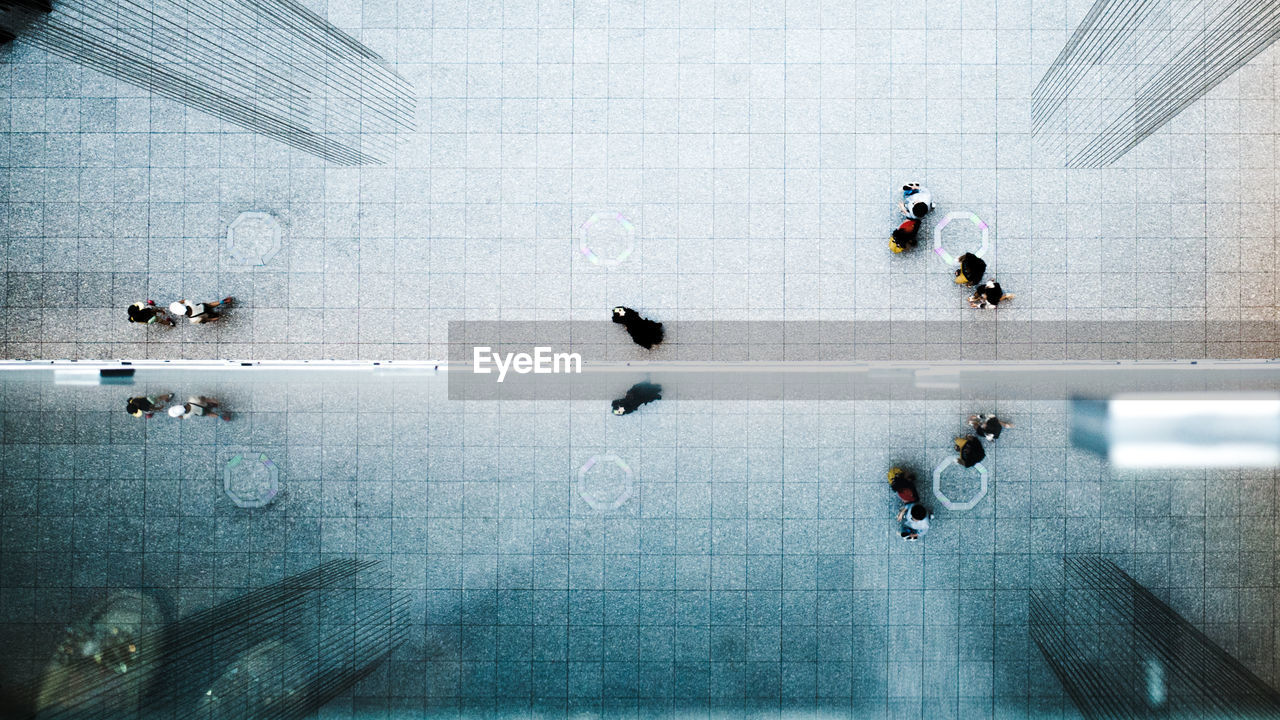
x,y
903,482
906,236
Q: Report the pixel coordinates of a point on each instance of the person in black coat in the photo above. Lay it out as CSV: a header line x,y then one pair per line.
x,y
970,449
971,269
147,405
146,313
646,333
639,394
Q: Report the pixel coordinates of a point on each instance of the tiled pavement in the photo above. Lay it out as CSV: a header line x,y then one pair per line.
x,y
755,149
752,570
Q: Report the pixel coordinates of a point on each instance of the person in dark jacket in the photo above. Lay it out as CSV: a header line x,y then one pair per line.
x,y
645,333
146,313
988,295
147,405
970,449
988,426
971,269
639,394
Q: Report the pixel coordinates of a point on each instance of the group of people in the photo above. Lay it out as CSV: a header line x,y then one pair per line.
x,y
145,406
969,447
913,516
148,313
916,203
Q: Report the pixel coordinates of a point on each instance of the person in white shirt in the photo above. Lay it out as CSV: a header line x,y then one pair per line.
x,y
917,201
199,312
915,521
198,406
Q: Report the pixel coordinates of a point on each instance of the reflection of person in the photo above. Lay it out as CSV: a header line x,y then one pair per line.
x,y
147,405
199,312
971,269
196,406
639,394
646,333
903,482
988,295
989,426
146,313
915,521
970,449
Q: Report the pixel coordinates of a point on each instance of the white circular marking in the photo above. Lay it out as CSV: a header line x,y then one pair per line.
x,y
251,482
602,226
606,495
947,502
253,238
978,222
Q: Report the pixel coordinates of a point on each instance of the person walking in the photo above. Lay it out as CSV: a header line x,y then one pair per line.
x,y
146,313
198,406
905,237
639,394
646,333
917,201
988,295
199,313
903,483
915,521
988,426
971,269
970,449
147,405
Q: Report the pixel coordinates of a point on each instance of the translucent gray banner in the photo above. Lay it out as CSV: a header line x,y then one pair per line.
x,y
977,337
841,361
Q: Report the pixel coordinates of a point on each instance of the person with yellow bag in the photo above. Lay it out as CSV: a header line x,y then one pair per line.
x,y
905,236
971,269
916,202
903,483
970,449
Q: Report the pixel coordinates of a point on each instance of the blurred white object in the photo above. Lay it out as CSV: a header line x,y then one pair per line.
x,y
1193,430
